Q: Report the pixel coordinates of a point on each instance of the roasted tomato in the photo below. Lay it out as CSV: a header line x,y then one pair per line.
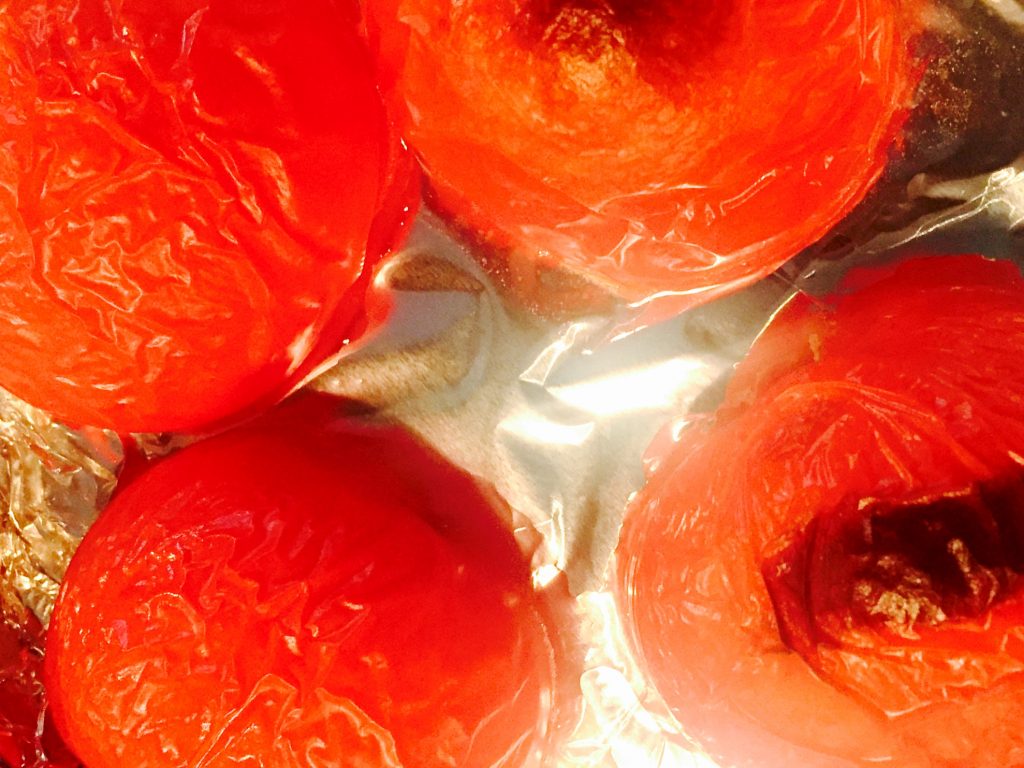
x,y
649,146
191,195
301,592
828,572
27,738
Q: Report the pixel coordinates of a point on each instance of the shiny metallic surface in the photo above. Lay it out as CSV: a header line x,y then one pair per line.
x,y
558,415
53,483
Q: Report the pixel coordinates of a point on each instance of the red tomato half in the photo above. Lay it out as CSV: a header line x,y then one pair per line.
x,y
191,194
830,571
302,592
649,146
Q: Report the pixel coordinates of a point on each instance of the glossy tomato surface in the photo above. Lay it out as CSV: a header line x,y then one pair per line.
x,y
301,592
827,572
655,146
27,736
191,196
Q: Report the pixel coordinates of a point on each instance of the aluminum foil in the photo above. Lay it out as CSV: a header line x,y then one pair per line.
x,y
558,419
53,482
559,427
558,415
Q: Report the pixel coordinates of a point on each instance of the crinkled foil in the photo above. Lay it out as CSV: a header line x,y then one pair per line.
x,y
558,419
557,416
53,483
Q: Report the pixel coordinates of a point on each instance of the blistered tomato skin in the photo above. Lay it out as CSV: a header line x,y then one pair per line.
x,y
302,592
192,195
827,572
653,146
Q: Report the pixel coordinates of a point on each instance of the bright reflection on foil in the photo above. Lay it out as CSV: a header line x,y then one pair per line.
x,y
558,419
545,432
624,722
548,360
544,576
634,738
655,387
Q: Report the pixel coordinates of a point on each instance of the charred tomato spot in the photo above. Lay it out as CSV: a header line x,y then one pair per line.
x,y
892,566
664,38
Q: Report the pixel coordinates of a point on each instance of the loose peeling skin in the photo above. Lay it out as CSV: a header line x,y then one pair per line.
x,y
191,197
301,592
826,572
649,147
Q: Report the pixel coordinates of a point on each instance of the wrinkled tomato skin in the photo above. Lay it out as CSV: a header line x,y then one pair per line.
x,y
648,147
192,198
27,737
306,591
905,384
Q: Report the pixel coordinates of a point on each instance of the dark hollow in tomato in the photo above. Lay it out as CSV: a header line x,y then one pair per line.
x,y
648,147
896,567
192,195
827,571
304,591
